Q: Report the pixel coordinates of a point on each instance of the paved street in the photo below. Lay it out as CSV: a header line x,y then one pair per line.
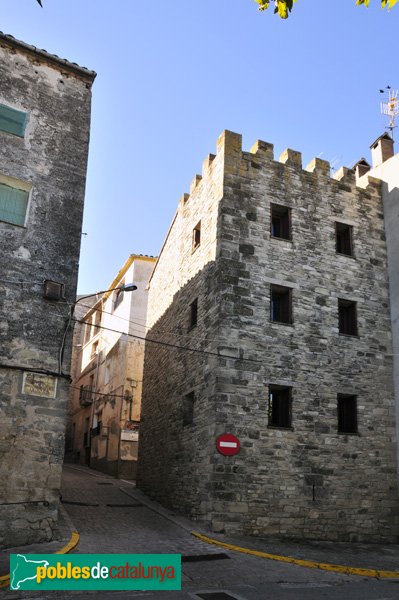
x,y
113,517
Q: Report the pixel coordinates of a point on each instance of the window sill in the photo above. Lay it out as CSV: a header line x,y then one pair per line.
x,y
13,224
346,255
349,335
280,428
282,323
280,239
355,433
191,327
195,248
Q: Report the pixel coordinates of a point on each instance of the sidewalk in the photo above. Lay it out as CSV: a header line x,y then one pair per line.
x,y
112,516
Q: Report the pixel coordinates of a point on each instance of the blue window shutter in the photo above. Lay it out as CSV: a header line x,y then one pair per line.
x,y
12,121
13,205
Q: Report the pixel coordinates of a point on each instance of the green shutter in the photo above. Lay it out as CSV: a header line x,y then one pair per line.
x,y
13,205
12,121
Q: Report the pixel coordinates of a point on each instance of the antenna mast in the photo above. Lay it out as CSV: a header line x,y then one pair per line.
x,y
390,107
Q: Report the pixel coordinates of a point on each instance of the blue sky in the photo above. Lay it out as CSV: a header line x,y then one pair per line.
x,y
172,75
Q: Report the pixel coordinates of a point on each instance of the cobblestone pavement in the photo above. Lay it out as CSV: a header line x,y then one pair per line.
x,y
113,517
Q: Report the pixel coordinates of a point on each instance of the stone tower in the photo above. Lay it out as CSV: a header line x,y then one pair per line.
x,y
269,315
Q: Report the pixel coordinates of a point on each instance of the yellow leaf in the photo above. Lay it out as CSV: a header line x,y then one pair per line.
x,y
282,9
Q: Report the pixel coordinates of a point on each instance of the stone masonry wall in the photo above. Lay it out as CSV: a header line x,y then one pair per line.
x,y
51,160
174,463
309,480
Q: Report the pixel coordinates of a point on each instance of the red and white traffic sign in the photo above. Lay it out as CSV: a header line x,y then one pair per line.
x,y
227,444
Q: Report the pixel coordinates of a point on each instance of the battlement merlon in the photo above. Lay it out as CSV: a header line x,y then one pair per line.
x,y
231,159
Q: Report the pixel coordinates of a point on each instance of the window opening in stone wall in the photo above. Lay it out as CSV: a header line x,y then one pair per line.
x,y
118,296
188,408
13,205
94,350
347,413
347,315
279,410
12,121
193,319
280,221
97,320
97,423
280,304
197,236
344,239
87,331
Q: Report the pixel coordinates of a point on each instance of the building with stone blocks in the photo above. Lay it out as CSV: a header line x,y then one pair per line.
x,y
269,316
385,166
44,135
105,399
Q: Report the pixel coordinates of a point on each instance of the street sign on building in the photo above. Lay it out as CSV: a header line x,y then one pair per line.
x,y
227,444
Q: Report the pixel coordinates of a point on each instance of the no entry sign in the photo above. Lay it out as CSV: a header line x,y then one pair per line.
x,y
227,444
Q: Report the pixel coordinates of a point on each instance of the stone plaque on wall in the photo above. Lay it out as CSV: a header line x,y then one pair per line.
x,y
37,384
129,436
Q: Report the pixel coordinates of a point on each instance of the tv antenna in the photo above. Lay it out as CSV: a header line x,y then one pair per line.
x,y
390,107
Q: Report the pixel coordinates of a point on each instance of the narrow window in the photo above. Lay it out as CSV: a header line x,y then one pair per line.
x,y
279,406
193,314
347,413
97,318
87,332
347,315
280,221
188,409
13,205
197,236
280,304
94,350
344,239
12,121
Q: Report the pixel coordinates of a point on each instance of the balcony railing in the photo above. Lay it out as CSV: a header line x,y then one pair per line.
x,y
86,395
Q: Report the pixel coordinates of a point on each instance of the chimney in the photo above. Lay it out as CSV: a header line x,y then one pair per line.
x,y
381,149
361,168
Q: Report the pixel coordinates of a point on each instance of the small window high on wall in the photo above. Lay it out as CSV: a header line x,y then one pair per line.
x,y
13,205
280,221
12,121
347,413
197,236
279,406
344,239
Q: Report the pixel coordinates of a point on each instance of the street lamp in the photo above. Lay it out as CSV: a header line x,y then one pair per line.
x,y
126,287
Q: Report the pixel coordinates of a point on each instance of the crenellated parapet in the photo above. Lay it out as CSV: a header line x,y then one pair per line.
x,y
232,159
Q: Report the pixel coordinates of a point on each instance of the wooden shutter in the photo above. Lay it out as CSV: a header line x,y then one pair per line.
x,y
13,205
12,121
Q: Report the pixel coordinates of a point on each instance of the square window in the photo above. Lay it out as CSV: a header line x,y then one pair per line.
x,y
279,410
344,239
12,121
197,236
13,205
347,413
188,409
347,316
280,304
193,318
280,222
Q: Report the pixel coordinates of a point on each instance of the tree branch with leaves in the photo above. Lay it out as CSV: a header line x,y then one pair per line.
x,y
284,7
